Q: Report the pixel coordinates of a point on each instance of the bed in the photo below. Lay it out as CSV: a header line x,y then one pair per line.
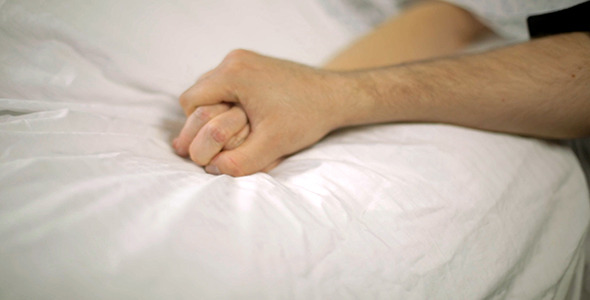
x,y
94,204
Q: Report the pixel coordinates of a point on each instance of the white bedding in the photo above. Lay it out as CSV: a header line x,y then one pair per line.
x,y
94,204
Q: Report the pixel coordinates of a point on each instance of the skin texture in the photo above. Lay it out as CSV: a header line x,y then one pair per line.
x,y
426,30
270,92
539,88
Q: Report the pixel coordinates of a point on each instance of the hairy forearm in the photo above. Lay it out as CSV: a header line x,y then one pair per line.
x,y
539,88
428,29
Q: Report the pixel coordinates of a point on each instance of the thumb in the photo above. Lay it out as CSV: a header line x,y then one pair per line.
x,y
254,155
208,91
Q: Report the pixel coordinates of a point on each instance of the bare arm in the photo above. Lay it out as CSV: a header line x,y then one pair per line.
x,y
539,88
426,30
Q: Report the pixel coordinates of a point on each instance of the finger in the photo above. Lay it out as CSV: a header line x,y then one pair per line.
x,y
252,156
194,123
236,140
214,135
208,90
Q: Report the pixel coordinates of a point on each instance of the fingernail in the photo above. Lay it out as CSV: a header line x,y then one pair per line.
x,y
212,169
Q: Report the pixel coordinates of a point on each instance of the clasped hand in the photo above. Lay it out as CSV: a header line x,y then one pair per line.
x,y
251,111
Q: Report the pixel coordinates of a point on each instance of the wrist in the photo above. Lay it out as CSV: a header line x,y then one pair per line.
x,y
378,96
353,99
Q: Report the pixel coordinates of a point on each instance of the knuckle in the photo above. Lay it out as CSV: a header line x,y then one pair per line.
x,y
202,113
235,61
237,54
184,98
217,133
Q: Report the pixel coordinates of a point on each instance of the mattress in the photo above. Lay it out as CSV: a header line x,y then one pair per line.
x,y
94,204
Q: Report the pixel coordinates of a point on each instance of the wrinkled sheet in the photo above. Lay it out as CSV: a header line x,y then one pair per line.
x,y
94,204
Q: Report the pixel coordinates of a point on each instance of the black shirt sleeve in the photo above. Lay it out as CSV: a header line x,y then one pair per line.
x,y
573,19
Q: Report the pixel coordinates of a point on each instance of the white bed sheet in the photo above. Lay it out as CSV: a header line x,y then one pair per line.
x,y
94,204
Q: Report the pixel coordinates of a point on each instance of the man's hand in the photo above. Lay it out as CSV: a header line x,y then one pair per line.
x,y
289,107
278,95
